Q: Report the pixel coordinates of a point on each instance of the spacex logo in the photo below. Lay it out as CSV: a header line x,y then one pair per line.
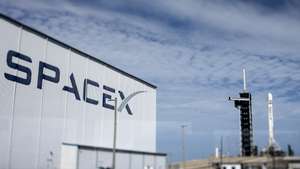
x,y
124,103
44,75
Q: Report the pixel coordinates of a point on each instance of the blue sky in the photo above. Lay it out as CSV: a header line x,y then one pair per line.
x,y
194,51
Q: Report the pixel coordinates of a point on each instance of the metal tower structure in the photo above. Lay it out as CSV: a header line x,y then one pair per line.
x,y
243,103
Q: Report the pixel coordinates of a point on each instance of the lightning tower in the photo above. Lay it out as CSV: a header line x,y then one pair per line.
x,y
243,103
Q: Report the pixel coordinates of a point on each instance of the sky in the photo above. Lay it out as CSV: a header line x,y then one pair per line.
x,y
194,51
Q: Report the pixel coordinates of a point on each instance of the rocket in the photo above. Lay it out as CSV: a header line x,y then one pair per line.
x,y
270,119
272,141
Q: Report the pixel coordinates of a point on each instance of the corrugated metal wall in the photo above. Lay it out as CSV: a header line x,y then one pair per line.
x,y
35,122
97,159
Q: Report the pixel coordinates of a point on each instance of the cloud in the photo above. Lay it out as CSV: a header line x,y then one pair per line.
x,y
194,51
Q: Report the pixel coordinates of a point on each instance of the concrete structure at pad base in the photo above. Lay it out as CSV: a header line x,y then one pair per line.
x,y
265,162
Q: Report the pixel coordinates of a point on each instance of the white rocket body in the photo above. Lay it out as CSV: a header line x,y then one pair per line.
x,y
271,120
272,141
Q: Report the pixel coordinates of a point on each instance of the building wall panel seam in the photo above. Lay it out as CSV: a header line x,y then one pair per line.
x,y
13,109
41,113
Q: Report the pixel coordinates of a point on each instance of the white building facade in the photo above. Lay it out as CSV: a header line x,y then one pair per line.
x,y
56,110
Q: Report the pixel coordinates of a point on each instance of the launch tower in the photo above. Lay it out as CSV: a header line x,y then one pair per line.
x,y
243,103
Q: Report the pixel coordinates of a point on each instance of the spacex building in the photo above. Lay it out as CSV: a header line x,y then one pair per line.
x,y
56,108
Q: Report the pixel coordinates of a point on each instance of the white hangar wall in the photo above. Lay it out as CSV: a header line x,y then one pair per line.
x,y
34,122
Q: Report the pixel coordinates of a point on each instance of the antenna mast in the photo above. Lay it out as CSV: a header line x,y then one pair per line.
x,y
244,79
